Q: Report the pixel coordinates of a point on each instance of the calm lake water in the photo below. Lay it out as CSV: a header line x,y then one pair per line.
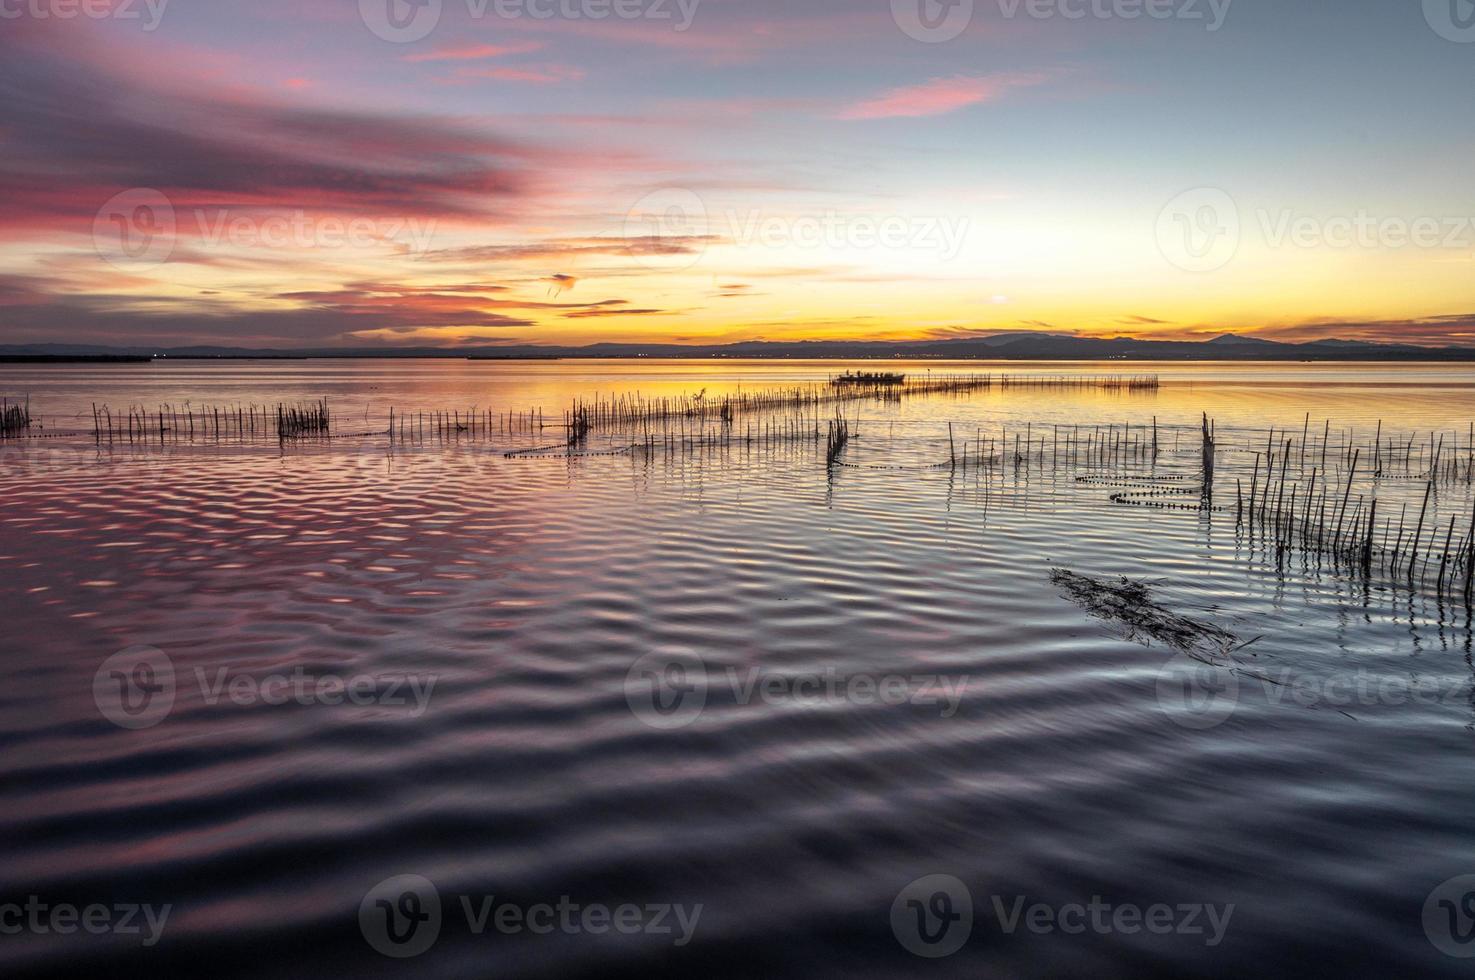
x,y
721,709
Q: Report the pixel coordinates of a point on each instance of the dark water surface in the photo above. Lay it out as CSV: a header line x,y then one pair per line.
x,y
718,710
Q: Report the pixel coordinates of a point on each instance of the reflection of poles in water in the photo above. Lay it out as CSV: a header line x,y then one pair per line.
x,y
839,435
1342,511
1419,531
1470,559
1367,547
1208,451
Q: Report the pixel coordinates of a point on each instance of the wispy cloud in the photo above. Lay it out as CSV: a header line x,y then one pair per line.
x,y
474,52
111,126
938,97
574,247
536,74
615,311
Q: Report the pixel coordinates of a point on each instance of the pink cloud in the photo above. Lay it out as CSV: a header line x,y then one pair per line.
x,y
538,74
474,52
93,125
732,41
937,97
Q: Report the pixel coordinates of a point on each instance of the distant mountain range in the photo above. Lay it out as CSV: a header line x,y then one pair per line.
x,y
1004,346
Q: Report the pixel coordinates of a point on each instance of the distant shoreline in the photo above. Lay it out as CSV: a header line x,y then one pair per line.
x,y
73,358
1021,346
1430,357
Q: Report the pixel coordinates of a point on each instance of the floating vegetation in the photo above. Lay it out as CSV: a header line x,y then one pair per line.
x,y
14,418
1130,603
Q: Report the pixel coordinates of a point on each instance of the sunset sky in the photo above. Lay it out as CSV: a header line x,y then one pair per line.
x,y
315,173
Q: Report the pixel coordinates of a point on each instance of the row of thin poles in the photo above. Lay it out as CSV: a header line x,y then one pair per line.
x,y
15,417
1303,489
630,408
